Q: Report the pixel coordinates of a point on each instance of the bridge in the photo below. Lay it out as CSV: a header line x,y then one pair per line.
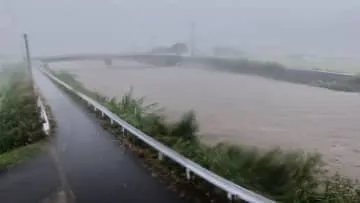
x,y
161,59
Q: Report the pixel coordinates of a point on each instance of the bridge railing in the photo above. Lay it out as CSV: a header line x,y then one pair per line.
x,y
233,190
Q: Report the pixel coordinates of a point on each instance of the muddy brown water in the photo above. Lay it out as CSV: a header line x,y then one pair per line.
x,y
241,109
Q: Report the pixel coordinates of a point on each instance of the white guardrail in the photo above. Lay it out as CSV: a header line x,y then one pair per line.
x,y
233,190
43,116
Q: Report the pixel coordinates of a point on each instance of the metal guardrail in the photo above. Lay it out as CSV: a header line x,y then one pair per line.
x,y
233,190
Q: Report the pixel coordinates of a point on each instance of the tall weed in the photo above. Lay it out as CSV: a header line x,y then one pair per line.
x,y
20,122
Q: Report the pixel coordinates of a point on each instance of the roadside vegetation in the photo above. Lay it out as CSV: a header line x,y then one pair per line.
x,y
284,176
18,155
20,123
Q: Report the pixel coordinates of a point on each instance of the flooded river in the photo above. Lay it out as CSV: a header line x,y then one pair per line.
x,y
241,109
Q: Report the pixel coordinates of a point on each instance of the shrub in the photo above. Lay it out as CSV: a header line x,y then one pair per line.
x,y
20,122
283,176
186,127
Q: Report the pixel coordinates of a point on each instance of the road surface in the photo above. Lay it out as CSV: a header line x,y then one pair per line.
x,y
90,165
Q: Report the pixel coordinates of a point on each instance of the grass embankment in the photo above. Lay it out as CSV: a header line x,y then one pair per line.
x,y
278,71
20,123
265,69
18,155
279,175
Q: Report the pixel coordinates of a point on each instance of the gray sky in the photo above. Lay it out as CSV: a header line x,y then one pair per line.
x,y
78,26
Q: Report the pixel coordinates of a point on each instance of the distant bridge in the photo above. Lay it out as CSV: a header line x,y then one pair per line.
x,y
161,59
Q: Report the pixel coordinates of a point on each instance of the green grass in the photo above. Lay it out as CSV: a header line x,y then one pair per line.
x,y
20,125
20,122
20,154
285,176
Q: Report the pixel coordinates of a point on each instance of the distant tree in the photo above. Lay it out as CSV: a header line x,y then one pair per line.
x,y
179,48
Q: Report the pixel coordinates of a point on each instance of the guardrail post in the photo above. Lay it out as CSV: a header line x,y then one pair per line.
x,y
123,130
111,121
160,156
94,108
230,196
188,174
102,114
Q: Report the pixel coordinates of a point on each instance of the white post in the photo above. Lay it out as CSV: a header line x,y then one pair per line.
x,y
160,156
188,174
229,196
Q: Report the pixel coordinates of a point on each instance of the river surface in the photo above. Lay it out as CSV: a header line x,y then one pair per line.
x,y
241,109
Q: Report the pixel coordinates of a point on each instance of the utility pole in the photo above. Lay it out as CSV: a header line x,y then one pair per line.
x,y
192,39
28,57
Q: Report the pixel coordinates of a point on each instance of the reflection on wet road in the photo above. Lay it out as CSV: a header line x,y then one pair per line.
x,y
92,164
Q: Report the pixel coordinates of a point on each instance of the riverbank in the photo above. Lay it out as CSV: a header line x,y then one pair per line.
x,y
267,69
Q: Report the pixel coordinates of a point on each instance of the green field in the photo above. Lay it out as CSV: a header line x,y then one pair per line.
x,y
18,155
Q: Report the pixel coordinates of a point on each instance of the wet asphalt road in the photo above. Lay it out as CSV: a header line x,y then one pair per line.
x,y
93,167
31,181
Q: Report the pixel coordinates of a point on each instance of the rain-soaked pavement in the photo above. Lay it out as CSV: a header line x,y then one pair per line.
x,y
88,162
31,181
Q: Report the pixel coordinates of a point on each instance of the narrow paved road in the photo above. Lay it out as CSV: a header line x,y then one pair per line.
x,y
93,167
30,182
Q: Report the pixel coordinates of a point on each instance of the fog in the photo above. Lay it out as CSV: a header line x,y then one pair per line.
x,y
323,27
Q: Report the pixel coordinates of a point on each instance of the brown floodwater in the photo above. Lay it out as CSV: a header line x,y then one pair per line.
x,y
241,109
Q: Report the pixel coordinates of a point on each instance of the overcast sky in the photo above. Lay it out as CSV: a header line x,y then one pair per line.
x,y
78,26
